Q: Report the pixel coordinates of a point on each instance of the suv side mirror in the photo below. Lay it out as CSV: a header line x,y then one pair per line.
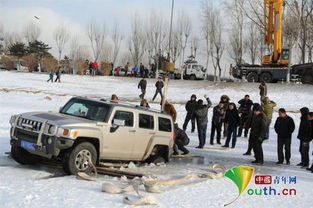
x,y
118,122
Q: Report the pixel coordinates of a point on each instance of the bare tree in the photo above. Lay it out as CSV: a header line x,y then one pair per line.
x,y
97,36
176,47
9,38
31,32
302,10
156,35
253,42
212,29
194,45
236,16
1,38
117,38
61,37
137,40
184,29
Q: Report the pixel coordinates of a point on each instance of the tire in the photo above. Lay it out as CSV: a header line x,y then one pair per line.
x,y
307,79
266,77
192,77
157,155
74,162
252,77
23,157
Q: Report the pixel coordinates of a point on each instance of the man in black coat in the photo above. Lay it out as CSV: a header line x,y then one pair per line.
x,y
304,134
218,115
181,140
258,130
201,114
158,85
244,111
143,86
190,108
311,120
232,120
284,127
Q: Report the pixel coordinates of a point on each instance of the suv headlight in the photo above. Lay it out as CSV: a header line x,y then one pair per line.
x,y
52,129
13,119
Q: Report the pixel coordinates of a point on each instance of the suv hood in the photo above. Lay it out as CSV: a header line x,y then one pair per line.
x,y
57,118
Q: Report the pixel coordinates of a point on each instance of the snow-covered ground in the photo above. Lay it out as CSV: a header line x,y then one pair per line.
x,y
22,186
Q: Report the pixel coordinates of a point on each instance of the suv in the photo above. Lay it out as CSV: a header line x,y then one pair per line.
x,y
99,129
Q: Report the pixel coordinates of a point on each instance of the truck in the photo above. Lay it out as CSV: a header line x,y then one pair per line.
x,y
192,70
275,66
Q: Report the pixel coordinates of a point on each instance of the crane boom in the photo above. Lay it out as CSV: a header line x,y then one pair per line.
x,y
273,22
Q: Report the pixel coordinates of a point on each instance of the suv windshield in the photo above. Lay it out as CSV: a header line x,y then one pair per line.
x,y
91,110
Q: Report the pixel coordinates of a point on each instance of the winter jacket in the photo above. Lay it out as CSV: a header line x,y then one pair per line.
x,y
305,125
232,118
170,110
218,114
258,127
284,127
201,113
263,90
190,107
142,84
135,69
268,107
181,136
245,106
159,85
250,117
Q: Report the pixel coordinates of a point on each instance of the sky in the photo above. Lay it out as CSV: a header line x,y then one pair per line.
x,y
75,14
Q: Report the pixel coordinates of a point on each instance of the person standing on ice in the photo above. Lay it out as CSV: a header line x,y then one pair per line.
x,y
305,137
225,99
244,111
181,140
310,117
263,90
142,86
58,74
135,70
50,76
218,114
159,86
126,69
284,127
258,130
268,108
190,108
201,114
303,131
233,121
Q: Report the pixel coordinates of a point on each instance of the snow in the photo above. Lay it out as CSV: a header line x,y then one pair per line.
x,y
30,186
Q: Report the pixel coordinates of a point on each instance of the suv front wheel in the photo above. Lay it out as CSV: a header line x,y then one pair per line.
x,y
75,160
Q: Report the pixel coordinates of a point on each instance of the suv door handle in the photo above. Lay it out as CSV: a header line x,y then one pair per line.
x,y
152,133
131,130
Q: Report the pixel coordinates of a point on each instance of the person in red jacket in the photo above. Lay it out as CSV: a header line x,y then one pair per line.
x,y
94,68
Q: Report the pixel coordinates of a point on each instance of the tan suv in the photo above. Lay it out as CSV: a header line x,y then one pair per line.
x,y
101,129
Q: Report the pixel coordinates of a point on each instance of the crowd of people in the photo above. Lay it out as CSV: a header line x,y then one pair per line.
x,y
250,120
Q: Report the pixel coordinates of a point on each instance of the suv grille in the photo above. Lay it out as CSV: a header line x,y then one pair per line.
x,y
30,124
26,135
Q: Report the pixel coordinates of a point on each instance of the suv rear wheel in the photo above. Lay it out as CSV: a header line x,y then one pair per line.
x,y
158,155
74,160
23,157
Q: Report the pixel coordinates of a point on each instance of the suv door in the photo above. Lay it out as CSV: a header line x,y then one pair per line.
x,y
145,133
119,142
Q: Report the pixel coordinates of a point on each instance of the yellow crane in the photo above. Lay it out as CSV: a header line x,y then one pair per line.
x,y
273,23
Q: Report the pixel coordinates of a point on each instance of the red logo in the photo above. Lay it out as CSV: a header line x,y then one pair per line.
x,y
263,179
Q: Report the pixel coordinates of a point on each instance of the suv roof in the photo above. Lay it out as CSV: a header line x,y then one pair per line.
x,y
122,104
